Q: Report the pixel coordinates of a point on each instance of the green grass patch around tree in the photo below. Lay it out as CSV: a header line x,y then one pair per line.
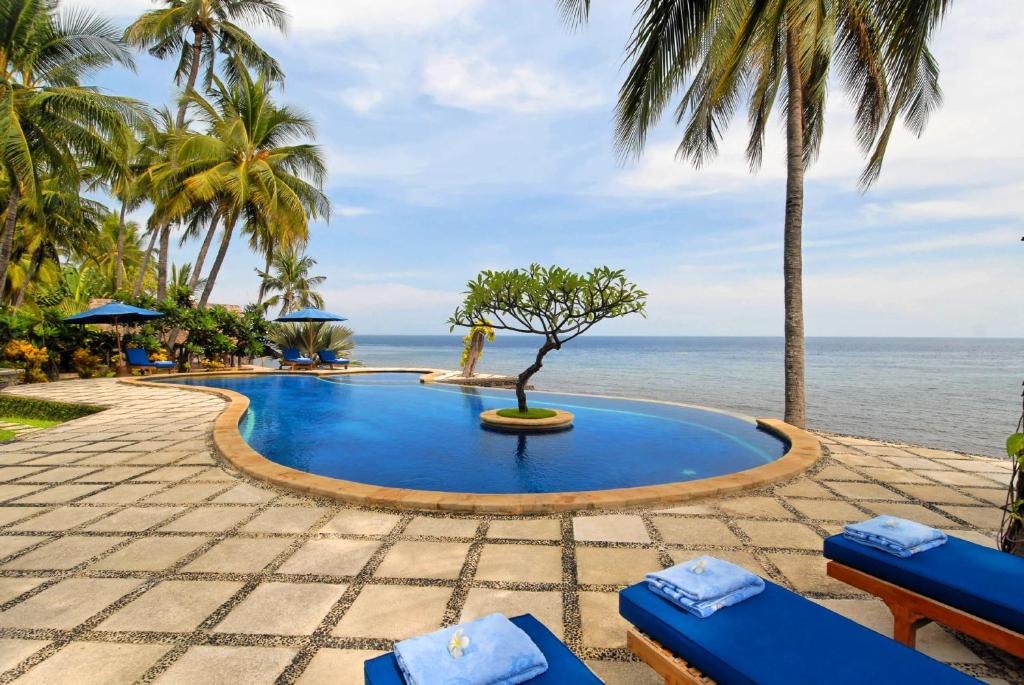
x,y
23,410
534,413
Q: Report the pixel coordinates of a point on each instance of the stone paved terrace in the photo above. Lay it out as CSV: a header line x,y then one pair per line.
x,y
130,553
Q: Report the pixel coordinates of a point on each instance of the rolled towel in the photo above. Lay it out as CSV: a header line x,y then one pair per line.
x,y
704,585
488,651
894,535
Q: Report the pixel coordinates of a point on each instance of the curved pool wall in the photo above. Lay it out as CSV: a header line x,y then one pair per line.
x,y
392,431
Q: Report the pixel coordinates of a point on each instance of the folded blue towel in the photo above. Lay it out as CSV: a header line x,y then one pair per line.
x,y
488,651
894,535
704,585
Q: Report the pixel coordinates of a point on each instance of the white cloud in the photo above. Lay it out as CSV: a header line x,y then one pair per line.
x,y
351,211
319,19
471,82
361,100
384,307
973,138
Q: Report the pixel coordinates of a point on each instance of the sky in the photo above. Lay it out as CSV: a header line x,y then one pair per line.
x,y
464,135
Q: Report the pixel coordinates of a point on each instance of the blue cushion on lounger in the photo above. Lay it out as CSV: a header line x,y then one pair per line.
x,y
983,582
780,638
563,666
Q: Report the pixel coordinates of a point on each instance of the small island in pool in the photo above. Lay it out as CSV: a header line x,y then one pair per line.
x,y
391,430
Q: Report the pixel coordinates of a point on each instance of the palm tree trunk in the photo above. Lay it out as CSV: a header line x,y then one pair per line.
x,y
792,260
161,267
225,241
33,267
119,259
201,257
193,74
137,290
266,270
533,368
7,240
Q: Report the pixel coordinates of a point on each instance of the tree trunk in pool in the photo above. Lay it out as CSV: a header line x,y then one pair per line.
x,y
7,240
215,269
792,268
533,368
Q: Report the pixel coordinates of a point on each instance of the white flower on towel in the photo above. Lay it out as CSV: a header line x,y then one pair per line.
x,y
891,523
698,568
458,644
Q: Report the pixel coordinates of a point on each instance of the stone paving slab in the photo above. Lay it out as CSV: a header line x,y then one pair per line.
x,y
130,553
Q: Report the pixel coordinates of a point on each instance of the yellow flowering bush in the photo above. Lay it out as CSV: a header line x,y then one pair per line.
x,y
27,356
212,365
86,364
159,356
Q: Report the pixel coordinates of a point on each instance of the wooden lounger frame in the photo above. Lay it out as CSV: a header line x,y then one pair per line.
x,y
674,670
911,610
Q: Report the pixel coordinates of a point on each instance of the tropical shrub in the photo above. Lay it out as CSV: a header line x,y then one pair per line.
x,y
86,364
24,355
1012,533
211,365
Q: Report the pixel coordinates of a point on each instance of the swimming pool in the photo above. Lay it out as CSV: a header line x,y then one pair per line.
x,y
391,430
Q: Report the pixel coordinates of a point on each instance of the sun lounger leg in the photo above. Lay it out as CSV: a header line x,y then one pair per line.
x,y
905,624
674,670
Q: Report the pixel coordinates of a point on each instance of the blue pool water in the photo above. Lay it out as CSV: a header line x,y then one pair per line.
x,y
388,429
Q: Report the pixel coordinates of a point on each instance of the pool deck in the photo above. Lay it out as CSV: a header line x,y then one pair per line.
x,y
130,552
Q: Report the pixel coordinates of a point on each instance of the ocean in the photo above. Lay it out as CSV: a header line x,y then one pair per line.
x,y
951,393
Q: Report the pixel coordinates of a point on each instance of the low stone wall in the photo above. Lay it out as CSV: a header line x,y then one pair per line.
x,y
10,377
484,381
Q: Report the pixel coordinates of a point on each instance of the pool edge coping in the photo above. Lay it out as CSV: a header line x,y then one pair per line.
x,y
804,451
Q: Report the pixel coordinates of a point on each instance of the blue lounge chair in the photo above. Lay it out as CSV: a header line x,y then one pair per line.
x,y
292,358
138,359
564,668
960,584
329,358
774,638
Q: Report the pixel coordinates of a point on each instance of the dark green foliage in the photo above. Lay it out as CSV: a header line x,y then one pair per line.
x,y
25,407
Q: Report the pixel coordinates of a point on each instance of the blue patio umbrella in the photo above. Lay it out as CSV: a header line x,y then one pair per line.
x,y
115,313
310,315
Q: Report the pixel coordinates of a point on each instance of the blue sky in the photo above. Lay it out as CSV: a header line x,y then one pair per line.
x,y
463,135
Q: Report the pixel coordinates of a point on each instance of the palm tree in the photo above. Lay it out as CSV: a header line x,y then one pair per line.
x,y
195,31
250,164
128,182
291,281
778,51
49,122
100,254
326,336
47,231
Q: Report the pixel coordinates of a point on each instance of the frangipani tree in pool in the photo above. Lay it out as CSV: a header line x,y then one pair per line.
x,y
549,301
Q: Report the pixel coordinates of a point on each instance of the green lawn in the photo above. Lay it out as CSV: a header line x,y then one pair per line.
x,y
6,435
26,421
529,414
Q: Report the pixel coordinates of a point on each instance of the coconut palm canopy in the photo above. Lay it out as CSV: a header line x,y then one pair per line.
x,y
778,53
